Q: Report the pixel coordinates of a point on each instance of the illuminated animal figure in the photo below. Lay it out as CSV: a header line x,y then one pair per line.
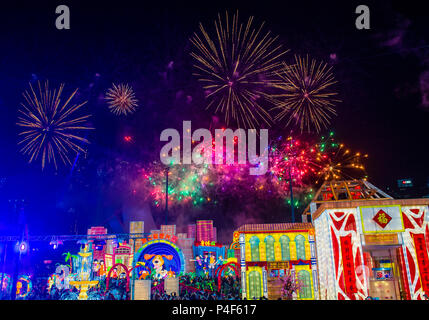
x,y
171,274
143,273
158,264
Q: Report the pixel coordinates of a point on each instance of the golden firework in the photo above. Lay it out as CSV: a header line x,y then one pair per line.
x,y
121,99
236,64
341,163
306,97
51,127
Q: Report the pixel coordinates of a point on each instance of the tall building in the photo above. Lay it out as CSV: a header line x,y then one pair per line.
x,y
204,231
214,234
135,228
409,188
269,252
98,246
168,229
186,245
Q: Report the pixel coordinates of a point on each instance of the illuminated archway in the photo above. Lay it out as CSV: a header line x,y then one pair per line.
x,y
126,274
220,269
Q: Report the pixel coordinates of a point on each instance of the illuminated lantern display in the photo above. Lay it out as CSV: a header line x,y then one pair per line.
x,y
186,242
269,252
6,282
60,278
369,244
136,227
98,247
208,257
208,254
160,256
123,254
84,271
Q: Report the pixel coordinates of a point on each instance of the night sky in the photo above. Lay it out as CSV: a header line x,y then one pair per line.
x,y
381,76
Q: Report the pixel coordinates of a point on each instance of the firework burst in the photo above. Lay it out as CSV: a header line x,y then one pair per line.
x,y
338,162
306,97
294,159
235,64
186,184
51,128
121,99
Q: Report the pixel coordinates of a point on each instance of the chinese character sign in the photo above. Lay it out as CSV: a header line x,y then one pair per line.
x,y
422,260
348,265
381,219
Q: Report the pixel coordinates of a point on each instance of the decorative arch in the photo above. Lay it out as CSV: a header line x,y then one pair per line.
x,y
126,274
269,248
254,288
305,278
285,248
220,269
254,248
300,247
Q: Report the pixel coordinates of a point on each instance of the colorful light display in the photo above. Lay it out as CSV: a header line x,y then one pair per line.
x,y
84,271
270,252
6,283
159,258
186,183
294,159
24,286
337,162
300,161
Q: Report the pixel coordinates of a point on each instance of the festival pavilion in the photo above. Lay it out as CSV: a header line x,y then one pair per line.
x,y
369,244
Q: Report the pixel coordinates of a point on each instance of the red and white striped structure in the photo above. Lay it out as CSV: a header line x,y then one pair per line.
x,y
346,228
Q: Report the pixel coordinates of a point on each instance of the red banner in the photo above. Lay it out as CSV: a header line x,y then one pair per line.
x,y
348,265
422,260
404,272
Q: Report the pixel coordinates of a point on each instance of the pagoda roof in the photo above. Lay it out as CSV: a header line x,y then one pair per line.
x,y
344,191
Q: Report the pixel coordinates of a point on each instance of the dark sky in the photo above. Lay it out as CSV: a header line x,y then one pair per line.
x,y
379,72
